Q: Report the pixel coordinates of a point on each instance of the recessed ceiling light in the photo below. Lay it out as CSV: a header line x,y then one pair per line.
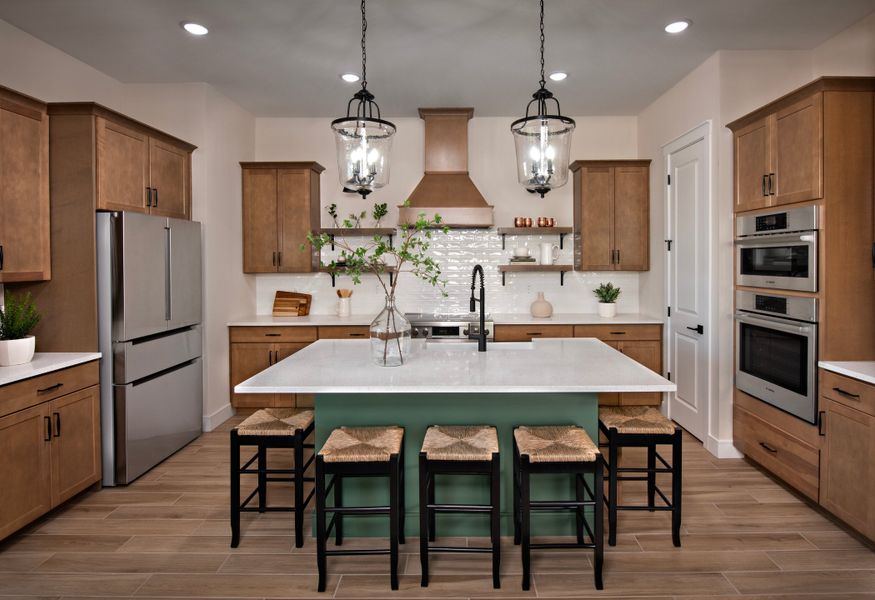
x,y
677,26
558,75
195,28
350,77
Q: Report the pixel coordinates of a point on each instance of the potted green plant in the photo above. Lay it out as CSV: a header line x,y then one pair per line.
x,y
607,295
380,211
390,331
17,320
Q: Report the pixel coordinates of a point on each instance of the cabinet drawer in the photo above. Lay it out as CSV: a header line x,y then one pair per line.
x,y
525,333
792,460
342,333
273,334
33,391
848,391
619,332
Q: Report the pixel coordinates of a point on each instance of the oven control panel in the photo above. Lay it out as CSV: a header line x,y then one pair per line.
x,y
772,304
773,222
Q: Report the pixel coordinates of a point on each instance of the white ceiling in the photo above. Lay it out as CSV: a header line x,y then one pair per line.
x,y
283,57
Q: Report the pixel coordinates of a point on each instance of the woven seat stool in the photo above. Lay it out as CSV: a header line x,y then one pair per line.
x,y
359,452
641,427
265,429
459,450
558,449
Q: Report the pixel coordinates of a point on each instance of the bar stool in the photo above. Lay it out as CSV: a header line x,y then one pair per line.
x,y
360,452
642,427
459,450
264,429
558,449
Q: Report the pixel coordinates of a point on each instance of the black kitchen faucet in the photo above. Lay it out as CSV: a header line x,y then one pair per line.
x,y
481,332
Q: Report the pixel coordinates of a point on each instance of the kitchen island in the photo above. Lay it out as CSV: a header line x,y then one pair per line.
x,y
546,381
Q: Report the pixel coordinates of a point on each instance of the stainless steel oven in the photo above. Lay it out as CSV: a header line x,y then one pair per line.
x,y
778,250
776,351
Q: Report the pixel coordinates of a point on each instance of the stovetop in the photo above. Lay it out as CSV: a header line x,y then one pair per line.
x,y
444,318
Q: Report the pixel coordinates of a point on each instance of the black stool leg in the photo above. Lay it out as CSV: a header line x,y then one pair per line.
x,y
320,522
525,517
495,500
401,503
432,521
393,520
599,522
262,477
423,518
338,518
579,513
516,494
651,476
676,487
235,489
612,487
299,489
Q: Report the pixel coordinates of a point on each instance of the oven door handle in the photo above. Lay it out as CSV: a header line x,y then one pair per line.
x,y
773,323
768,241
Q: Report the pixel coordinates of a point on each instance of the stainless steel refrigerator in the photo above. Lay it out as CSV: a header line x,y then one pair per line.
x,y
149,314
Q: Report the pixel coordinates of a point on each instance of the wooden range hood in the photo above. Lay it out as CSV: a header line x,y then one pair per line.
x,y
446,188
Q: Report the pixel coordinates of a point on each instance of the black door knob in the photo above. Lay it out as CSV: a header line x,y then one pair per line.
x,y
698,329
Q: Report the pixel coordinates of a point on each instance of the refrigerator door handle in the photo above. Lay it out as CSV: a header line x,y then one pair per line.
x,y
168,269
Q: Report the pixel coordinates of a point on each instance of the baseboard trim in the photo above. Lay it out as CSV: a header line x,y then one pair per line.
x,y
215,419
721,448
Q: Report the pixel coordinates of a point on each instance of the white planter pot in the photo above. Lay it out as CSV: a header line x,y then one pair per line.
x,y
17,352
607,310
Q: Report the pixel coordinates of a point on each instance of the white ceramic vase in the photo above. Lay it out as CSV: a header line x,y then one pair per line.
x,y
540,308
17,352
607,310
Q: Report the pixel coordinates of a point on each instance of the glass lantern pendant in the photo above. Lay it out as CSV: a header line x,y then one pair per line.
x,y
542,140
363,139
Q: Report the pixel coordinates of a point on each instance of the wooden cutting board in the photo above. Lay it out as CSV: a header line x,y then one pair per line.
x,y
291,304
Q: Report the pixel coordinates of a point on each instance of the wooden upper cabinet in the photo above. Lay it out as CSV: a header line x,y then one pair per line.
x,y
280,206
611,215
752,166
25,253
797,155
122,167
170,177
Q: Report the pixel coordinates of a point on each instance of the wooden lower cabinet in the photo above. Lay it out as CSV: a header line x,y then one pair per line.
x,y
75,443
250,357
526,333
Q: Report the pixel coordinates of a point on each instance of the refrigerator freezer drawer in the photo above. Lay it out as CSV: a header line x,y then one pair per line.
x,y
155,417
140,358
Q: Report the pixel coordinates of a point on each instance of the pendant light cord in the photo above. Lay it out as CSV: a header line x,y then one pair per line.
x,y
543,81
365,54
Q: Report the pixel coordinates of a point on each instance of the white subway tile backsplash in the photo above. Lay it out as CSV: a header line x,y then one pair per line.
x,y
457,253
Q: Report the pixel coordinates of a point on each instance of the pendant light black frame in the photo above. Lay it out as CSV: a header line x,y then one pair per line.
x,y
365,106
540,98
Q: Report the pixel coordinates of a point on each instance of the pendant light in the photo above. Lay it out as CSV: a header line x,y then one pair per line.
x,y
542,140
363,139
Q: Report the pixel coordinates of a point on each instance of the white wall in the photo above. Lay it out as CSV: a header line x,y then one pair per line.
x,y
195,112
851,52
492,160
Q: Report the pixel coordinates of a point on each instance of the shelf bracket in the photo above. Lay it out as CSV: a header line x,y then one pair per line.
x,y
562,241
503,274
503,236
331,237
561,278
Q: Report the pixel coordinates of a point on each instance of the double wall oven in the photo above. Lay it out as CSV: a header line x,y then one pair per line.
x,y
776,334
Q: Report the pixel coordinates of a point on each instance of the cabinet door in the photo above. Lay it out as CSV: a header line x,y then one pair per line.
x,y
282,351
293,205
25,444
246,361
24,194
122,167
648,354
847,465
752,166
797,151
169,174
260,222
597,219
75,443
632,218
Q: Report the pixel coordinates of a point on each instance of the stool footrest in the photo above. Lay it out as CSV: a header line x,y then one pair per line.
x,y
459,508
536,504
358,510
358,552
560,546
461,549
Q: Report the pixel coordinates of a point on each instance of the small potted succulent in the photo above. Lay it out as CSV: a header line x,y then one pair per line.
x,y
607,295
17,320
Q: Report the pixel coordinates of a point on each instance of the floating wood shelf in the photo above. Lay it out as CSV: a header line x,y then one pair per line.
x,y
530,268
362,232
342,271
560,231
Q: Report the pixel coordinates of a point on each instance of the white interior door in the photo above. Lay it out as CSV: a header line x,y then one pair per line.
x,y
688,264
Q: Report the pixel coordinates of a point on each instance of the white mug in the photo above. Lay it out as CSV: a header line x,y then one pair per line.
x,y
549,253
344,307
521,251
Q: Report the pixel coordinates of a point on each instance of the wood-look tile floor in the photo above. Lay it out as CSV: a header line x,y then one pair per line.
x,y
167,536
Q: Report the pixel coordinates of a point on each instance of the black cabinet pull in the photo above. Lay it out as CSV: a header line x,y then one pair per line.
x,y
270,357
51,388
618,333
700,329
820,417
356,335
846,394
533,333
156,196
765,178
771,184
148,196
273,259
769,448
57,424
1,255
48,422
272,334
279,259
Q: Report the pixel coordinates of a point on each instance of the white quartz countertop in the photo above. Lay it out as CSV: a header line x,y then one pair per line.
x,y
498,318
45,362
864,370
545,365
